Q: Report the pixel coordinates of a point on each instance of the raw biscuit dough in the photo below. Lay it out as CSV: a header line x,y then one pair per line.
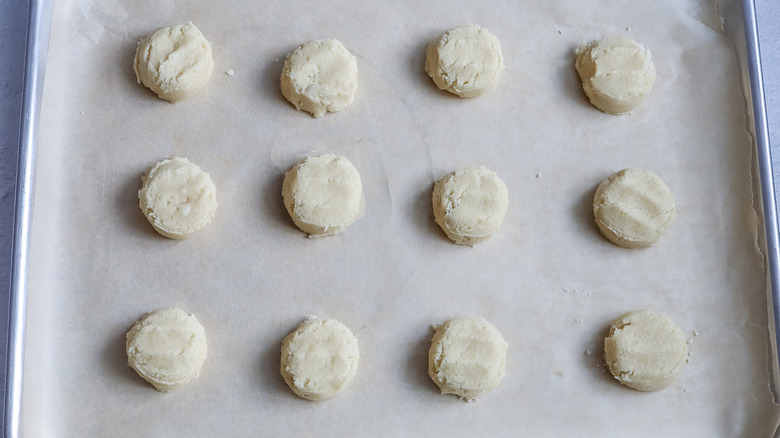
x,y
320,76
469,204
645,350
177,197
466,61
174,61
467,357
319,358
167,348
633,208
323,194
617,73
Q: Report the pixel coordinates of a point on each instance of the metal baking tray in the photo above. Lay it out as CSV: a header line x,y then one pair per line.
x,y
743,31
32,52
740,27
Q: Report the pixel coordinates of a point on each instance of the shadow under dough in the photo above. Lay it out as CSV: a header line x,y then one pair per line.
x,y
422,212
131,214
570,81
272,203
114,359
582,210
270,372
269,79
595,360
417,362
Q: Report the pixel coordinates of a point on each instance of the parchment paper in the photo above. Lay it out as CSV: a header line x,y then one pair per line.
x,y
548,281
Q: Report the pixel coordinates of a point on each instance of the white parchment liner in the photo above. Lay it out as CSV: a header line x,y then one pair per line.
x,y
548,281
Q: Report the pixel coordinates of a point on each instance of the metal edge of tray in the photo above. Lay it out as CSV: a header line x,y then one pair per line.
x,y
766,178
36,50
744,33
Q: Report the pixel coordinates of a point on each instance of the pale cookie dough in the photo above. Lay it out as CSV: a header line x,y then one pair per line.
x,y
323,194
466,61
319,358
177,197
633,208
645,350
617,73
469,204
320,76
167,348
467,357
174,61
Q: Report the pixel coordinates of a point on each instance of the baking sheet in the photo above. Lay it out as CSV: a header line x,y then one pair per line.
x,y
547,280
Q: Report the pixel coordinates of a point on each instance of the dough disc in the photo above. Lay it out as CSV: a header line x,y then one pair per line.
x,y
467,357
645,350
320,76
633,208
319,358
174,61
469,204
466,61
177,197
323,194
167,348
617,73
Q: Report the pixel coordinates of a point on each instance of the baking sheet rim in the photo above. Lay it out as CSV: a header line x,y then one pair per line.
x,y
39,26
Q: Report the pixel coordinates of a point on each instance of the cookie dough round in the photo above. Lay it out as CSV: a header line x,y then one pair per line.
x,y
469,204
466,61
319,358
167,348
645,350
617,73
177,197
174,61
467,357
320,76
633,208
323,195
